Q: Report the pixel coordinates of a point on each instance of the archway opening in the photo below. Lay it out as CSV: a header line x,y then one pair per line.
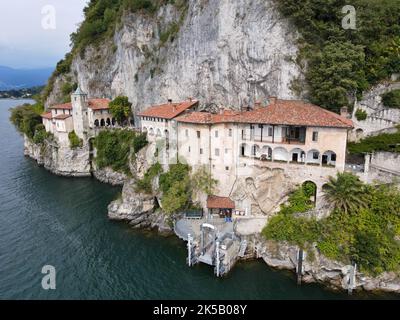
x,y
329,158
102,123
96,123
310,190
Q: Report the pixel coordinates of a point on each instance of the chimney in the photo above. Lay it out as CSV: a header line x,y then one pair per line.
x,y
344,112
190,99
257,105
272,100
169,101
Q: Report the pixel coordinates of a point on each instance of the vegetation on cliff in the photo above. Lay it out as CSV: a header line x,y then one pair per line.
x,y
383,142
74,141
345,62
26,118
367,234
391,99
114,148
178,185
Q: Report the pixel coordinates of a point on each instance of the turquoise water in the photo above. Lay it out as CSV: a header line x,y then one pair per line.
x,y
50,220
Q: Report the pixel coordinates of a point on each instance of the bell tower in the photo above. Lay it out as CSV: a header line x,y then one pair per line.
x,y
80,113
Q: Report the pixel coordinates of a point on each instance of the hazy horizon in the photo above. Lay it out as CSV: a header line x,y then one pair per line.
x,y
25,44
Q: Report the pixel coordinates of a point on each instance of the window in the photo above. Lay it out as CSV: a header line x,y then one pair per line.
x,y
315,155
226,151
201,150
333,157
270,132
216,133
198,134
230,132
189,149
261,126
187,133
227,168
315,136
217,152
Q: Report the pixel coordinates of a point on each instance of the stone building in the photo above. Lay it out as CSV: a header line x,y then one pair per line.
x,y
257,155
81,115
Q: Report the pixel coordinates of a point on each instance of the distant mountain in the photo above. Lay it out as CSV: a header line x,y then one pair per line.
x,y
23,78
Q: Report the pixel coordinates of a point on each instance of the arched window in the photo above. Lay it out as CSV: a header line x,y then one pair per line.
x,y
96,123
108,121
280,154
297,155
313,156
102,123
266,153
113,121
329,158
255,150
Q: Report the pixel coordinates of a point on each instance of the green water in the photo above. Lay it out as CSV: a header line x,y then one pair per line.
x,y
49,220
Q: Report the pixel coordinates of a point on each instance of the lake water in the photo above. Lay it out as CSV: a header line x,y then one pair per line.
x,y
50,220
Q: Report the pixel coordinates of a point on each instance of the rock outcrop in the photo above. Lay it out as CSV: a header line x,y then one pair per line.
x,y
59,159
225,52
107,175
318,268
139,210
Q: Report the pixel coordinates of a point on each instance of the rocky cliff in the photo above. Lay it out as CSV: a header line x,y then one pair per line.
x,y
224,52
59,159
318,268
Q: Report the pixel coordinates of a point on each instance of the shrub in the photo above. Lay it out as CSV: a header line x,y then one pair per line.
x,y
74,140
115,146
391,99
40,134
368,236
144,185
361,115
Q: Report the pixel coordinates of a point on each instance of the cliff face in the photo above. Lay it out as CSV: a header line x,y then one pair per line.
x,y
225,52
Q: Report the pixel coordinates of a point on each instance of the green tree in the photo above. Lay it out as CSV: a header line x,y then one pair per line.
x,y
335,72
202,181
346,192
120,109
177,197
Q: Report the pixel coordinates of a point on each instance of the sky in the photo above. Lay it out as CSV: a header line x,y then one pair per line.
x,y
35,33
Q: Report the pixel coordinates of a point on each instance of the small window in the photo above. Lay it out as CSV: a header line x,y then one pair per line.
x,y
261,126
216,133
227,168
315,136
270,132
226,151
187,133
198,134
230,132
217,152
333,157
201,150
189,149
315,155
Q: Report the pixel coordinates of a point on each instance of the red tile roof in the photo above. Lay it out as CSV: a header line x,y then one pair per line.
x,y
99,104
62,116
94,104
282,112
169,110
62,106
214,202
47,115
